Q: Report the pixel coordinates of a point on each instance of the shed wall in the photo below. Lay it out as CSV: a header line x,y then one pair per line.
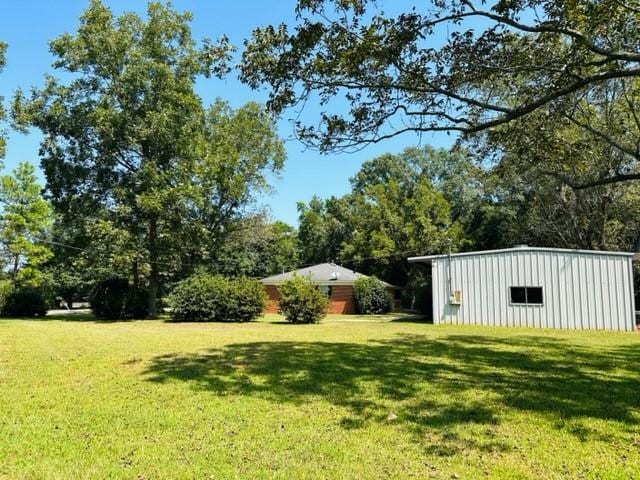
x,y
581,291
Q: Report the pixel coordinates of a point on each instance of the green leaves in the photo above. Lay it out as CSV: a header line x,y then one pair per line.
x,y
212,298
447,65
399,205
371,296
300,301
3,49
25,220
127,138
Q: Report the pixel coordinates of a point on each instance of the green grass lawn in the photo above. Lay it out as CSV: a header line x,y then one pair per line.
x,y
353,397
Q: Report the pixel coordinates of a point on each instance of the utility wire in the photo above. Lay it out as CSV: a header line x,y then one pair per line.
x,y
342,260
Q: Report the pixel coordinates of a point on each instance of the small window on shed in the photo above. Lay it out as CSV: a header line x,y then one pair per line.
x,y
534,295
526,295
518,294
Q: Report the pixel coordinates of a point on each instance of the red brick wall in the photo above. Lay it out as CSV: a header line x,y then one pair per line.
x,y
272,299
341,300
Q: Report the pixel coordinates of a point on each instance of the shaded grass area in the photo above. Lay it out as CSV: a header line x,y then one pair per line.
x,y
385,397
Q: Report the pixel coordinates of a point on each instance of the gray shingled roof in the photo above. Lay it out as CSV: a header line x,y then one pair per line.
x,y
328,273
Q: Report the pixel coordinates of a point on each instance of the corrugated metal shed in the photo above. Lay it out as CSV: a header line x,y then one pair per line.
x,y
534,287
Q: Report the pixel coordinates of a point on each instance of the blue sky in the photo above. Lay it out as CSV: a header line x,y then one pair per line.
x,y
28,25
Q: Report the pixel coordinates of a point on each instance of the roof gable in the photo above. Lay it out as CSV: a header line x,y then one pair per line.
x,y
329,273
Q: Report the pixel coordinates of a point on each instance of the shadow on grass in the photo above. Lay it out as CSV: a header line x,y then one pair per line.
x,y
413,318
84,315
78,316
67,316
432,384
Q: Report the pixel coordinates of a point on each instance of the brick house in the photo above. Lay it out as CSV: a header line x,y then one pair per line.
x,y
335,281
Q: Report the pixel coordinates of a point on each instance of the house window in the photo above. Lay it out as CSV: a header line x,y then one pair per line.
x,y
526,295
325,290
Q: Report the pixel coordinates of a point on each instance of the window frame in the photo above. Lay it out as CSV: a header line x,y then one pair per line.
x,y
526,296
328,292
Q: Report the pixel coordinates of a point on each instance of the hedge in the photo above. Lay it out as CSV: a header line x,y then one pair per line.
x,y
213,298
115,299
24,302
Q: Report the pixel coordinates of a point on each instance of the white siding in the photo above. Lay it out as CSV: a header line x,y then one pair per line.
x,y
581,290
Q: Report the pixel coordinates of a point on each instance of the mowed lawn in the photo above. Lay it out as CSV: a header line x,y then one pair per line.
x,y
351,398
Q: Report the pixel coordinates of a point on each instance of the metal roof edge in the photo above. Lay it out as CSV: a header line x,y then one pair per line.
x,y
427,258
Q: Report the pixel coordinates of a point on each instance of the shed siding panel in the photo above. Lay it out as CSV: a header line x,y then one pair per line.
x,y
580,291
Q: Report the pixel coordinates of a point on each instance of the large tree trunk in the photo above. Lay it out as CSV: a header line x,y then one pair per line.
x,y
154,277
16,265
136,274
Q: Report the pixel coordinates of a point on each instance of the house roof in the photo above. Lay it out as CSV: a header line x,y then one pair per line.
x,y
322,273
518,248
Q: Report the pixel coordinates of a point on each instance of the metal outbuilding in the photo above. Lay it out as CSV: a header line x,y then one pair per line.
x,y
534,287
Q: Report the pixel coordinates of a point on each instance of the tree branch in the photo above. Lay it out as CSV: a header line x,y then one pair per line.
x,y
618,178
548,27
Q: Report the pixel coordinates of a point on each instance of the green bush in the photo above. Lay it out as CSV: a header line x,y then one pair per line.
x,y
212,298
371,296
5,290
25,302
301,301
115,299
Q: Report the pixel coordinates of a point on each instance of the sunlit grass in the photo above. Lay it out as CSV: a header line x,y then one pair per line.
x,y
353,397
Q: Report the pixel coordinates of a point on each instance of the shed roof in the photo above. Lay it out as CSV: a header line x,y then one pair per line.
x,y
322,273
519,248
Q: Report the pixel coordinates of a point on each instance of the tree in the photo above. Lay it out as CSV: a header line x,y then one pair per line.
x,y
397,207
544,211
559,176
257,248
128,136
393,221
500,62
3,49
323,227
593,141
25,220
242,147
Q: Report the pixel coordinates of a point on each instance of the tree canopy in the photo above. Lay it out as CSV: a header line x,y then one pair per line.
x,y
463,66
398,206
257,247
25,220
127,137
3,49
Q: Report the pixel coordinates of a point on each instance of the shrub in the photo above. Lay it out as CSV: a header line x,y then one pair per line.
x,y
115,299
212,298
371,296
301,302
25,302
5,290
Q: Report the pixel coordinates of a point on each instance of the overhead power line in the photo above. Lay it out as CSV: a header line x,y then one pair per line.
x,y
173,264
